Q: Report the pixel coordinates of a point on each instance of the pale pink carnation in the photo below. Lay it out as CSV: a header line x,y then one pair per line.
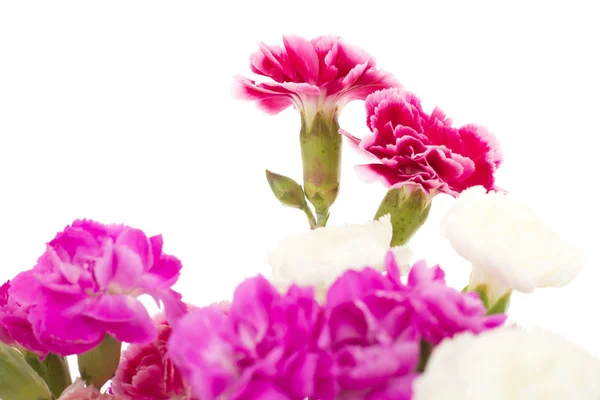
x,y
78,391
147,373
418,150
324,73
87,282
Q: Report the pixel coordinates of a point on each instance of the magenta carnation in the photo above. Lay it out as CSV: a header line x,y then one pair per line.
x,y
376,323
415,149
264,348
146,373
324,73
14,323
423,308
86,285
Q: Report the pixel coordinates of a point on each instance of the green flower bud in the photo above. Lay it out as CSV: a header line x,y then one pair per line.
x,y
408,211
18,381
286,190
98,365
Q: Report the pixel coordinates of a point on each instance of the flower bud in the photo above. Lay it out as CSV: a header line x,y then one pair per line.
x,y
18,381
321,147
98,365
286,190
408,210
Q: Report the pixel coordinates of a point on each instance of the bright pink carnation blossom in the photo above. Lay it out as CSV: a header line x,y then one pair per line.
x,y
87,282
376,323
146,372
15,325
324,73
264,348
415,149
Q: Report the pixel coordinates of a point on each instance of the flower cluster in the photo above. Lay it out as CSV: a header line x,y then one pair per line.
x,y
336,320
364,341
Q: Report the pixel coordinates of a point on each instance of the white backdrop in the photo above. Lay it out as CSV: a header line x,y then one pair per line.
x,y
120,111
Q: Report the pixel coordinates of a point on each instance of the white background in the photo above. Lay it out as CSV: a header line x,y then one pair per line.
x,y
121,111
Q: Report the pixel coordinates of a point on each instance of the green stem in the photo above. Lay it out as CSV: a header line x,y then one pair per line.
x,y
426,349
309,215
322,218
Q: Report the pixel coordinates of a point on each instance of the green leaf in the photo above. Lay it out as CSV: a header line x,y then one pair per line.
x,y
501,305
483,292
18,381
54,370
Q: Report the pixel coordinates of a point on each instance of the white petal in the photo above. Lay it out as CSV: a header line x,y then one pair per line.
x,y
509,242
318,257
509,363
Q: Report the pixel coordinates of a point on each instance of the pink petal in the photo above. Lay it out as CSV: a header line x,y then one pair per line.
x,y
267,100
25,288
166,270
104,267
129,268
63,334
136,241
355,284
261,391
138,329
304,58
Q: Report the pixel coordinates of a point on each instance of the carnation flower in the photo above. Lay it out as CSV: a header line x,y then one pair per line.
x,y
317,258
509,364
78,391
414,149
376,323
323,74
508,243
319,77
14,323
146,372
86,285
265,347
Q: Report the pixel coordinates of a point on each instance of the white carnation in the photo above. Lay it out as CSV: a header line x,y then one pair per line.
x,y
508,244
317,258
509,364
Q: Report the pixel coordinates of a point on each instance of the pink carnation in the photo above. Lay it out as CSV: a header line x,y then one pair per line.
x,y
376,323
415,149
87,282
14,324
265,347
78,391
324,73
146,373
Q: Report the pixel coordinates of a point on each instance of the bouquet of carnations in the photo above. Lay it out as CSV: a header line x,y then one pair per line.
x,y
346,313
